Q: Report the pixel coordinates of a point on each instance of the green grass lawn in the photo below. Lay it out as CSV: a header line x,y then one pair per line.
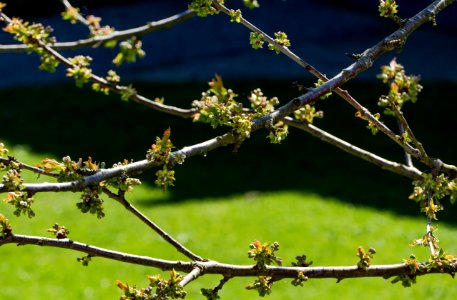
x,y
326,229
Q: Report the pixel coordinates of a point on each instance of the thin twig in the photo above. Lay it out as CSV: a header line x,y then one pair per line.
x,y
28,167
177,245
405,126
430,236
221,284
394,167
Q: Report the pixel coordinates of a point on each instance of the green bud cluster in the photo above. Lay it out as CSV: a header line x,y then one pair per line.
x,y
204,8
80,70
218,107
251,3
402,87
300,279
406,279
431,189
22,201
94,23
365,257
374,130
85,260
427,239
14,184
68,170
264,254
91,202
278,132
308,113
129,51
34,35
388,9
261,104
235,15
112,78
161,152
60,232
127,92
158,288
281,39
263,285
5,227
257,39
122,182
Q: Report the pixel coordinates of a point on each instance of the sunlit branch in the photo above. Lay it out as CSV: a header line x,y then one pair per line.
x,y
130,169
231,270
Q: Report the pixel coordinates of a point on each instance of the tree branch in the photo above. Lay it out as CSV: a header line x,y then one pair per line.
x,y
133,168
230,270
116,35
405,126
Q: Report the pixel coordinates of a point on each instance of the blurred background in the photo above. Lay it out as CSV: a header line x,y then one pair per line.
x,y
45,115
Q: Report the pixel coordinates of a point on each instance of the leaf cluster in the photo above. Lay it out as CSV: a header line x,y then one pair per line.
x,y
14,183
80,70
431,189
257,39
34,36
263,285
90,201
365,257
60,232
164,289
402,88
218,107
130,50
264,254
160,152
5,227
204,8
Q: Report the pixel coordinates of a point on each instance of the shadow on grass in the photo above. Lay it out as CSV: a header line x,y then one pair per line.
x,y
64,120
